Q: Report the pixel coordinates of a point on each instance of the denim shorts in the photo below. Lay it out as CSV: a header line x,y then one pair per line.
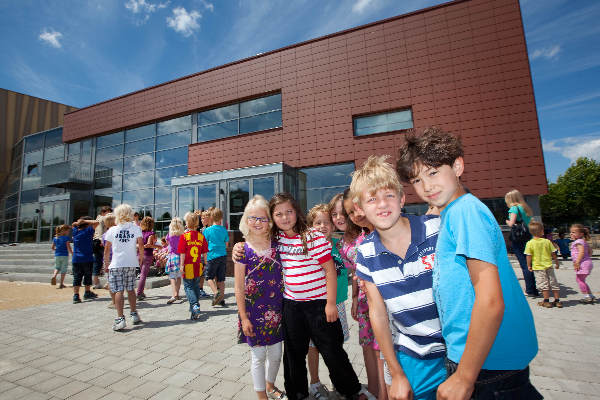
x,y
61,263
215,268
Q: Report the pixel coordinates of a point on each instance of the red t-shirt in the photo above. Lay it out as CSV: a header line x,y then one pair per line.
x,y
193,245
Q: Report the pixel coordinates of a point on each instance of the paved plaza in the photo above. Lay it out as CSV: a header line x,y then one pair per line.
x,y
67,351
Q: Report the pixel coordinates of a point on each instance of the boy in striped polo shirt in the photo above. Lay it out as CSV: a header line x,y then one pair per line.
x,y
396,261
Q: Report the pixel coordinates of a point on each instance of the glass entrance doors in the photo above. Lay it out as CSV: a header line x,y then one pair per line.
x,y
52,214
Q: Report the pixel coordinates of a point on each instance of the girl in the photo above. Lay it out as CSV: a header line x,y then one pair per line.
x,y
172,267
357,228
149,239
582,260
61,244
259,296
109,222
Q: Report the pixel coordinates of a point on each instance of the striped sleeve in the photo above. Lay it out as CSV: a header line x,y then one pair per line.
x,y
362,271
319,248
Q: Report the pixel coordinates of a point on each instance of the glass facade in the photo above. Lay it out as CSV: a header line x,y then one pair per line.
x,y
385,122
319,184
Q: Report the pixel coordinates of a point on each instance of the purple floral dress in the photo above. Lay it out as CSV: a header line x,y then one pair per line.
x,y
264,296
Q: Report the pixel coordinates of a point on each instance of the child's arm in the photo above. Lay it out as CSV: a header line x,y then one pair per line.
x,y
107,247
140,247
152,243
555,258
53,246
240,298
354,308
400,388
486,316
69,249
331,278
529,263
580,251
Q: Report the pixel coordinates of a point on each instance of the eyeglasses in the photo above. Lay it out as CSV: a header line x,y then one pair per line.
x,y
262,220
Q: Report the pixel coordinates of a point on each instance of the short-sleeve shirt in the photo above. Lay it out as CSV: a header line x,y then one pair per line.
x,y
192,244
469,230
100,228
173,242
60,246
83,246
540,250
217,237
519,211
405,284
123,239
303,275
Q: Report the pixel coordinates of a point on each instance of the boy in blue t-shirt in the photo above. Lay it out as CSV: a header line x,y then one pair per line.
x,y
61,244
395,262
83,257
486,321
216,258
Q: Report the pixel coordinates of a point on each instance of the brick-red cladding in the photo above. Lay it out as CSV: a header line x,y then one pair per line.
x,y
461,66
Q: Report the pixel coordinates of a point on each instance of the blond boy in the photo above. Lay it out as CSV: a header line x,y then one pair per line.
x,y
540,253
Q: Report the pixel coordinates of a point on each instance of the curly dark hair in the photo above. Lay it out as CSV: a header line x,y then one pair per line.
x,y
433,148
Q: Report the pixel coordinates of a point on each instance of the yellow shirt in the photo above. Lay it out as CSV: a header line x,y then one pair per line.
x,y
540,250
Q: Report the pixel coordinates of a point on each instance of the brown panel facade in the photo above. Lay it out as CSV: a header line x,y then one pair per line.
x,y
461,66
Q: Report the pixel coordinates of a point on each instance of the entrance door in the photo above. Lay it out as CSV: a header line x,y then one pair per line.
x,y
239,194
52,214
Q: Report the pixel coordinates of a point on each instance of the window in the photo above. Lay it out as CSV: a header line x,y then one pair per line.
x,y
320,184
53,137
143,132
34,142
163,176
174,125
139,147
110,140
386,122
173,140
172,157
109,153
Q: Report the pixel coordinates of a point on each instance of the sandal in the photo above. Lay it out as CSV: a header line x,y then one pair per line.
x,y
276,394
171,300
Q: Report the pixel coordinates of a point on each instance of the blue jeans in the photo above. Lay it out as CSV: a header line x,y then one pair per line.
x,y
192,290
530,288
501,384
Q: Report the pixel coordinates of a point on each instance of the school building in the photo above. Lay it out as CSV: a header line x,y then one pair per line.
x,y
296,119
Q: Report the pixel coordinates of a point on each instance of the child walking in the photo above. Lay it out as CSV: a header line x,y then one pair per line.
x,y
61,244
204,223
109,221
149,239
540,253
83,257
582,260
259,296
217,238
172,266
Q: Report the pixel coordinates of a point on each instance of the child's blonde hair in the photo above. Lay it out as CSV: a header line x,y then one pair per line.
x,y
375,174
314,213
514,198
580,228
109,220
123,214
176,227
191,220
536,228
256,203
215,215
147,224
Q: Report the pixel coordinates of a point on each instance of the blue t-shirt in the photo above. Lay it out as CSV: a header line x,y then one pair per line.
x,y
563,245
60,246
469,230
217,237
83,244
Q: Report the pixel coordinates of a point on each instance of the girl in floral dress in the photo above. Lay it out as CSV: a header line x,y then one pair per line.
x,y
259,297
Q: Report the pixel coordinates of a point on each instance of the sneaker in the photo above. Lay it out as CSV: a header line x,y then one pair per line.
x,y
195,311
89,295
119,324
135,318
587,300
76,299
61,286
276,394
558,304
546,304
203,294
222,303
141,296
171,300
319,392
218,298
98,286
53,281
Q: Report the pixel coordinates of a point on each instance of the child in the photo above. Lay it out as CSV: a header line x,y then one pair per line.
x,y
486,322
191,246
61,244
540,252
217,238
319,218
259,296
109,221
564,245
122,240
582,260
205,222
396,263
83,257
172,266
149,240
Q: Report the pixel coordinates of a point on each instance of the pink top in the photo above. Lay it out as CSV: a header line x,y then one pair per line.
x,y
173,242
585,266
348,252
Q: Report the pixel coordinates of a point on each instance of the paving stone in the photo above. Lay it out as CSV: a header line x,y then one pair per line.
x,y
116,396
70,389
20,373
35,378
202,383
92,393
193,395
141,370
170,392
50,384
160,374
226,389
181,378
107,379
126,385
17,392
89,374
147,389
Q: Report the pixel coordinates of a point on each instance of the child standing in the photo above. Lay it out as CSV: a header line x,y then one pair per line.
x,y
486,322
192,245
83,257
204,222
122,240
540,252
172,265
582,260
217,238
149,239
61,244
259,296
564,245
109,221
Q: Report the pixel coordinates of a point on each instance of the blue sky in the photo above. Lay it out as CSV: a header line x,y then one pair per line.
x,y
80,52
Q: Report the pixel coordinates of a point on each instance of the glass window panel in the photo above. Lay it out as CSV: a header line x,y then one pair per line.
x,y
328,175
74,151
218,115
110,140
137,197
53,137
28,218
34,142
138,163
32,173
13,185
113,183
12,201
29,196
142,132
218,131
383,123
175,125
163,212
161,228
234,222
140,180
257,106
109,168
10,225
86,151
33,158
45,235
61,209
27,236
185,200
109,153
106,199
167,158
174,140
55,161
264,186
139,147
207,196
163,176
46,214
239,194
51,191
260,122
163,195
53,153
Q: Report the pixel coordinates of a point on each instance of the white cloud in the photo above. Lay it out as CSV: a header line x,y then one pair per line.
x,y
184,22
209,6
572,101
573,147
361,5
141,6
548,53
51,37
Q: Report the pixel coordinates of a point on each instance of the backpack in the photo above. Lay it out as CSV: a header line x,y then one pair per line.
x,y
519,232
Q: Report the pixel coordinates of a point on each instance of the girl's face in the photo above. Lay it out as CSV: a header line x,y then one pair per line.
x,y
204,219
284,217
575,234
323,224
258,222
355,214
337,216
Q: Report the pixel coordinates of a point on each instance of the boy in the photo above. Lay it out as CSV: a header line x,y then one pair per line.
x,y
486,322
204,222
61,244
192,245
217,238
395,263
83,257
540,252
563,245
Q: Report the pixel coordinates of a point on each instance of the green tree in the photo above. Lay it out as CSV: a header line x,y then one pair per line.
x,y
575,197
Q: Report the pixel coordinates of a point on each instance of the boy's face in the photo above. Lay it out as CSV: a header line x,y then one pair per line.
x,y
323,224
382,208
439,186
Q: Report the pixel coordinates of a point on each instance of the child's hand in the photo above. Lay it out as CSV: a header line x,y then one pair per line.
x,y
400,389
247,328
576,265
331,312
237,253
557,264
455,388
530,269
354,308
